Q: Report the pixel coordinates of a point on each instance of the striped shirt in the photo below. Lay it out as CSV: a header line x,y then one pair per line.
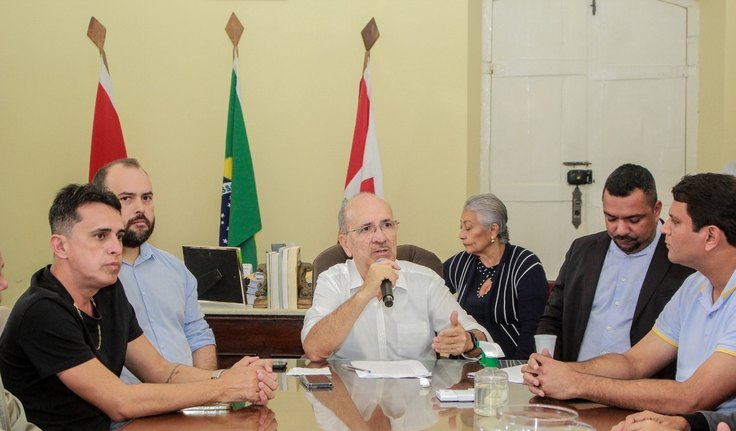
x,y
510,311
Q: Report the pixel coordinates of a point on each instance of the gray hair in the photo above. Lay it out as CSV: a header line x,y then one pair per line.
x,y
342,224
490,211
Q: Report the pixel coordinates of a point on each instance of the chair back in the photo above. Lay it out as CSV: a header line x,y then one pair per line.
x,y
412,253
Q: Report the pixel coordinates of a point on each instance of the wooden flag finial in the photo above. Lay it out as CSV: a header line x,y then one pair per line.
x,y
370,34
96,32
234,29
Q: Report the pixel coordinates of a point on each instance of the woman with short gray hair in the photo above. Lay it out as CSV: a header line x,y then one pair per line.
x,y
503,286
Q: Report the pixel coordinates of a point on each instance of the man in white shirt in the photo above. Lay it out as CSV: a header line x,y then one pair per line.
x,y
348,319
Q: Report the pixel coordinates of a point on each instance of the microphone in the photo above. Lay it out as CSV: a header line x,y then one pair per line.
x,y
386,291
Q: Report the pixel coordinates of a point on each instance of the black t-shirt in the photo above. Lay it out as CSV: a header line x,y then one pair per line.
x,y
45,335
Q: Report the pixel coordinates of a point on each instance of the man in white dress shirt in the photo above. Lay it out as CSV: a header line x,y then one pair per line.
x,y
348,319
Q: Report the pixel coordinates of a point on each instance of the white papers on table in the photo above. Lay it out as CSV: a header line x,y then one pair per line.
x,y
515,375
390,369
297,371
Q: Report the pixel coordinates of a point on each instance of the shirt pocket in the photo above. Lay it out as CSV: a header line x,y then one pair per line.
x,y
413,338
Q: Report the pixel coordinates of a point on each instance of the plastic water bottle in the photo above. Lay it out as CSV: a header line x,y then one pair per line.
x,y
491,385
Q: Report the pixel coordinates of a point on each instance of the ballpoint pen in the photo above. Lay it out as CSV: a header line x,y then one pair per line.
x,y
352,368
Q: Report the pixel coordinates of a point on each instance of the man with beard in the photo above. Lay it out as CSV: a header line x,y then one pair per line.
x,y
613,284
158,285
696,327
70,333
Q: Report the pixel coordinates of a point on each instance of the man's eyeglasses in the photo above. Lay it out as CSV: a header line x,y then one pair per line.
x,y
387,227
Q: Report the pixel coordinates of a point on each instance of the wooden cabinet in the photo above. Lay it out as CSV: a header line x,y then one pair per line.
x,y
262,334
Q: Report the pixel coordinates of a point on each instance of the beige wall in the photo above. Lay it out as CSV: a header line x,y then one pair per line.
x,y
300,63
170,64
717,129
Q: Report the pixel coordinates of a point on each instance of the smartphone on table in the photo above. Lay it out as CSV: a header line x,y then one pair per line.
x,y
278,364
316,382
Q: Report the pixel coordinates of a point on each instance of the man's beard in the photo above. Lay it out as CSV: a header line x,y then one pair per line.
x,y
133,238
631,247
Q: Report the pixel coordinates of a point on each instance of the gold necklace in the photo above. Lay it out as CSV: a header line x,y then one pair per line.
x,y
99,328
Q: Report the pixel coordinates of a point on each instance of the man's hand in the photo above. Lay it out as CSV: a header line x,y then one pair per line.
x,y
377,272
530,371
545,376
650,421
265,379
453,340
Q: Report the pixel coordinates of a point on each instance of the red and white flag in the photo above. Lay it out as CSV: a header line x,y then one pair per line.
x,y
364,168
107,135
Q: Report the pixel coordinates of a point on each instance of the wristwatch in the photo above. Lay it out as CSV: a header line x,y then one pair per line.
x,y
474,340
217,374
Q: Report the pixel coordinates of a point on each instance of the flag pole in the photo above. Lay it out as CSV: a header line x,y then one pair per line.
x,y
240,217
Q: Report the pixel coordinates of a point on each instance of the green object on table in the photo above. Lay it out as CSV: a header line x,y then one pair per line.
x,y
240,405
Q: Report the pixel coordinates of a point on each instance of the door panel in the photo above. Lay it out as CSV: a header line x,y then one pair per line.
x,y
566,85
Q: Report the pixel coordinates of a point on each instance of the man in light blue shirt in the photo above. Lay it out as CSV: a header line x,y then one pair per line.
x,y
615,299
697,327
613,284
158,285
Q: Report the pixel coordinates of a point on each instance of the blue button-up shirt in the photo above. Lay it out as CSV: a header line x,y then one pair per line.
x,y
616,295
164,295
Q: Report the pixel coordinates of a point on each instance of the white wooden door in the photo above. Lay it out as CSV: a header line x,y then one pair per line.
x,y
566,85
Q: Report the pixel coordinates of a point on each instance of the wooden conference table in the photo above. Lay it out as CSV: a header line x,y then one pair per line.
x,y
352,401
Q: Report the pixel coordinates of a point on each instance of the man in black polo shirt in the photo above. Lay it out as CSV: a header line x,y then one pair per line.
x,y
69,335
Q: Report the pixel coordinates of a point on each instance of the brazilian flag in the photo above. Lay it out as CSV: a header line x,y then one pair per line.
x,y
240,217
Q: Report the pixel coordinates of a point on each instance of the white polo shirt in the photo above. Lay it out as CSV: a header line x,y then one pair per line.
x,y
698,327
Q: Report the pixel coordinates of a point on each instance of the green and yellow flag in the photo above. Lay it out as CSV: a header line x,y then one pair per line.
x,y
240,217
